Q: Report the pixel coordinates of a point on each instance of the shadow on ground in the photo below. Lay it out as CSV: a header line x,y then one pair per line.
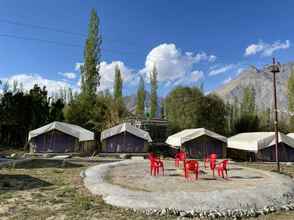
x,y
246,177
45,163
10,183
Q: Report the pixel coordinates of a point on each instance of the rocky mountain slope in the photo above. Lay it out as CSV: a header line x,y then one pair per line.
x,y
262,84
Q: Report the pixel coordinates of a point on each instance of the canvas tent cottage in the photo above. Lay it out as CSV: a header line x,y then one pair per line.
x,y
260,146
199,142
125,138
60,137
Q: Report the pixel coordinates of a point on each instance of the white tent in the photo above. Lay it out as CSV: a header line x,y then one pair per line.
x,y
125,127
70,129
254,141
291,135
181,137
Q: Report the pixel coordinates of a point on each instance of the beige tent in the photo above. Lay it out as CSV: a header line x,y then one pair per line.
x,y
261,145
199,142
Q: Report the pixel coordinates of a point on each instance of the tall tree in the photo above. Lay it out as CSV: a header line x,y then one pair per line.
x,y
153,98
183,108
248,106
118,83
291,99
92,56
140,102
248,120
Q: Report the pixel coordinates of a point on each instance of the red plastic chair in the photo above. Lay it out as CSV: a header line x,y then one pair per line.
x,y
223,168
212,163
155,164
191,166
180,156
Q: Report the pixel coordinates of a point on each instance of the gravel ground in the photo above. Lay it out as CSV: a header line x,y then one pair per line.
x,y
128,184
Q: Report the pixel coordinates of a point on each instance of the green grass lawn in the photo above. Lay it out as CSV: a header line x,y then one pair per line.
x,y
47,192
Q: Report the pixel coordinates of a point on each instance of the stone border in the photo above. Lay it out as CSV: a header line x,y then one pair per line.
x,y
246,202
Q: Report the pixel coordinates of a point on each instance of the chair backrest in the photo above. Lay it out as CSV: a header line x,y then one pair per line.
x,y
182,155
225,163
213,156
191,164
152,156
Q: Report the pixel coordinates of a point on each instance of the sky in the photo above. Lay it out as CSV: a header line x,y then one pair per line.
x,y
190,42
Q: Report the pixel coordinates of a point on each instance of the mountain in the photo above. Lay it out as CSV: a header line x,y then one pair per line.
x,y
262,83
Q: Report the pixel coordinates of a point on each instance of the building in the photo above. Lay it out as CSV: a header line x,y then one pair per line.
x,y
199,142
60,137
125,139
157,128
260,146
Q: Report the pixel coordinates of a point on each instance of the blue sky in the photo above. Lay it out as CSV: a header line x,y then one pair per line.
x,y
190,42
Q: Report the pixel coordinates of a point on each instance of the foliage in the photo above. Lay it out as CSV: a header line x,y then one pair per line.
x,y
140,103
56,111
153,98
90,78
213,113
189,108
243,116
21,112
118,84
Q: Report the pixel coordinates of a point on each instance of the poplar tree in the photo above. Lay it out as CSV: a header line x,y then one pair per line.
x,y
118,83
90,76
153,98
140,102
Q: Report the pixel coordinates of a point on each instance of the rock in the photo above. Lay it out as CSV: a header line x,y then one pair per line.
x,y
13,155
163,212
183,213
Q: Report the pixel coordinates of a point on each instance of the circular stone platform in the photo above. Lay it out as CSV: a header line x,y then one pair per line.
x,y
129,184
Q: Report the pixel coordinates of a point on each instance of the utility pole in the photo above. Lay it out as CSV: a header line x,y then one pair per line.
x,y
275,69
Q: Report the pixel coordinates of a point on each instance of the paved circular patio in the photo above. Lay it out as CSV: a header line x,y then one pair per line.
x,y
129,184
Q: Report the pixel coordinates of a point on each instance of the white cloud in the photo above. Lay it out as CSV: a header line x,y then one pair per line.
x,y
29,80
171,63
189,79
266,49
68,75
221,70
107,74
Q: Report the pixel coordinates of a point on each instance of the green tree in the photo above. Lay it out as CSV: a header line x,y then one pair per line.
x,y
56,111
140,102
183,108
118,84
153,97
248,104
213,113
248,120
90,78
291,100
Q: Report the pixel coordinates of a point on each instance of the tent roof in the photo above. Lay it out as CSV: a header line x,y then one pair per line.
x,y
128,128
181,137
254,141
70,129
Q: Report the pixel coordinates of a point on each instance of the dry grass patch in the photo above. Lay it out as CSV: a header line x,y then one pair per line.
x,y
53,193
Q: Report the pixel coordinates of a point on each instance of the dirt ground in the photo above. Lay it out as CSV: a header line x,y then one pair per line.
x,y
48,192
137,177
42,191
